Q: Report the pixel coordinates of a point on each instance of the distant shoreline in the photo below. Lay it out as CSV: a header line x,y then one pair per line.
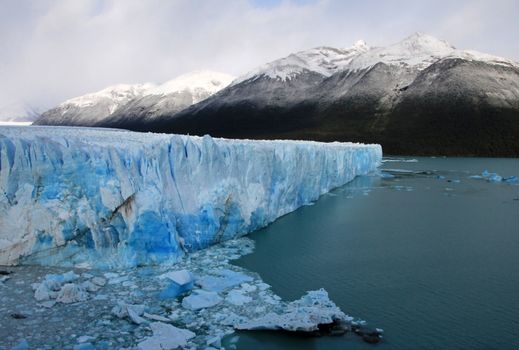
x,y
3,123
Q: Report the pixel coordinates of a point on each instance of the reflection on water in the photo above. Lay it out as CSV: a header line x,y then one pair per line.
x,y
425,252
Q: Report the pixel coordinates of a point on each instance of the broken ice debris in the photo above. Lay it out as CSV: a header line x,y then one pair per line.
x,y
133,312
58,288
494,177
303,315
71,293
166,337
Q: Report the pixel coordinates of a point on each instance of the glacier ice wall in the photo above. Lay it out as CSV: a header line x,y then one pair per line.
x,y
106,198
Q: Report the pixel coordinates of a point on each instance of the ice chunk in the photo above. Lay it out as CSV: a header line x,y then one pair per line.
x,y
225,279
201,299
135,316
181,277
166,337
511,179
181,282
71,293
133,312
494,177
149,198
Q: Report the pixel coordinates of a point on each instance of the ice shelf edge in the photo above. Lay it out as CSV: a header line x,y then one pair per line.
x,y
107,198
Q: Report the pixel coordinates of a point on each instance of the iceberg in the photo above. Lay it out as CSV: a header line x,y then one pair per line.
x,y
111,198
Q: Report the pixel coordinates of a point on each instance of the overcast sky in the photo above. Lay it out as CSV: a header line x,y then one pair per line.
x,y
51,50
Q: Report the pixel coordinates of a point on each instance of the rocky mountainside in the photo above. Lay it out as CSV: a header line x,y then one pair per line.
x,y
420,96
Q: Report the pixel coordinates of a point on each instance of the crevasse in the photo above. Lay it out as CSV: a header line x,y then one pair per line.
x,y
109,198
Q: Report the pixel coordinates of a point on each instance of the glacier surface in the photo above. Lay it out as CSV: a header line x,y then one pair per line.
x,y
110,198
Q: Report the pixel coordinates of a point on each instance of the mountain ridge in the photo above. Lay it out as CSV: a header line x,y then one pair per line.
x,y
98,107
397,95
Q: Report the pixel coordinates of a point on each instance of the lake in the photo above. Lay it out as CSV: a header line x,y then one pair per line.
x,y
429,255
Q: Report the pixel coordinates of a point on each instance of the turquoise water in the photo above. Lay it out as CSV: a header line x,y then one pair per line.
x,y
432,258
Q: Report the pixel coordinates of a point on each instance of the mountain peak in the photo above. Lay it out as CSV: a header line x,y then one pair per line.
x,y
422,41
360,45
323,60
207,80
418,50
115,94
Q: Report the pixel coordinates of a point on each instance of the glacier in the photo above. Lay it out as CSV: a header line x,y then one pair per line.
x,y
111,198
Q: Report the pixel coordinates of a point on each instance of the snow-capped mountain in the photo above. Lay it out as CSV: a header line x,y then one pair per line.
x,y
94,107
170,97
200,84
124,100
320,60
419,51
418,96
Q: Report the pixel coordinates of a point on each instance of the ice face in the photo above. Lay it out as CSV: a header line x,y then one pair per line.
x,y
105,198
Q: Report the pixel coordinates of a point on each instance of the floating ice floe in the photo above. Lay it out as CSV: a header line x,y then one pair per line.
x,y
201,299
303,315
494,177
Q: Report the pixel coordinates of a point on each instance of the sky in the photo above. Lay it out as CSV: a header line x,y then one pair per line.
x,y
52,50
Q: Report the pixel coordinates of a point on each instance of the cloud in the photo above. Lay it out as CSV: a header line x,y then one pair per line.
x,y
57,49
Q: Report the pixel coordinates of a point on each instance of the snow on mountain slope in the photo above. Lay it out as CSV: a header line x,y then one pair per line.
x,y
322,60
116,95
94,108
170,97
416,51
419,51
113,198
200,84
